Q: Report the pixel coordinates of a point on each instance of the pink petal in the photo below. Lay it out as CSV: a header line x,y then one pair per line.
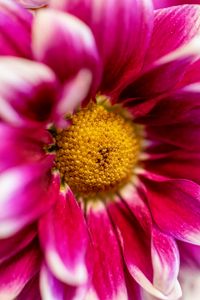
x,y
27,92
177,164
174,108
166,3
178,201
26,192
33,3
189,278
122,49
192,74
183,134
31,290
28,145
51,288
134,291
15,273
74,91
13,245
189,255
173,28
67,47
64,239
15,30
142,245
165,73
108,280
165,259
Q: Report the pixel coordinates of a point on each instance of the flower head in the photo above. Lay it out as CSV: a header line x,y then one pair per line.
x,y
100,148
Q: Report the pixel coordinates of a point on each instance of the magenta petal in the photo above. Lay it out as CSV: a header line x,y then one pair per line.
x,y
74,91
31,290
176,107
64,239
28,145
183,134
33,3
192,74
177,164
134,291
67,47
121,44
165,259
26,192
53,289
108,280
27,92
166,3
173,28
142,246
16,272
135,246
190,255
15,30
165,73
15,244
178,201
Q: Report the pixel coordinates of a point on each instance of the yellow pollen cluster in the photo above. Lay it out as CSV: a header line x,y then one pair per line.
x,y
97,153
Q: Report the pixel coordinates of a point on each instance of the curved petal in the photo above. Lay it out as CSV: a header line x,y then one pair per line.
x,y
74,91
179,201
27,92
189,278
178,164
142,246
51,288
33,3
166,3
13,245
31,290
67,47
134,291
15,273
64,239
27,191
15,30
173,28
191,75
122,45
166,266
174,108
189,255
183,134
165,73
108,280
19,146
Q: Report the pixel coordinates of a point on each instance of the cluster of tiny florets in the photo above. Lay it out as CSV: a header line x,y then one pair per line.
x,y
97,153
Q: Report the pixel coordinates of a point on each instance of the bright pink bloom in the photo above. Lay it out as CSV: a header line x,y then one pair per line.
x,y
78,49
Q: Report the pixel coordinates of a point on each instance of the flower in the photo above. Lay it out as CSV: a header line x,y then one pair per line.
x,y
101,237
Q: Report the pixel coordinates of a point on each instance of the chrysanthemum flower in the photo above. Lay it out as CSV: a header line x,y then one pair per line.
x,y
99,148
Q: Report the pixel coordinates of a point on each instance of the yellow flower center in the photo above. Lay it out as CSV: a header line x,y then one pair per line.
x,y
97,153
